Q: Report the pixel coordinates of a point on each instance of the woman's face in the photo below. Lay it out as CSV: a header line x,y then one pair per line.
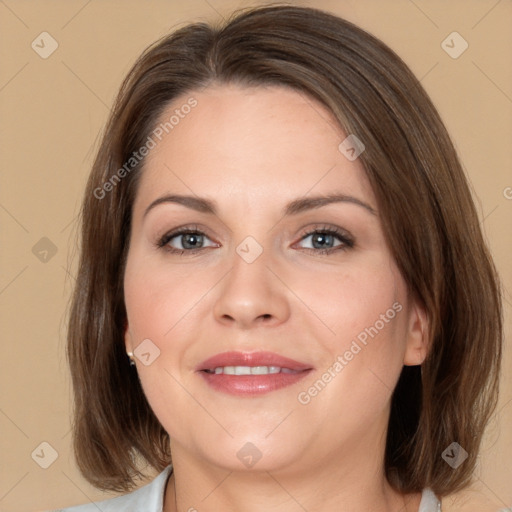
x,y
254,277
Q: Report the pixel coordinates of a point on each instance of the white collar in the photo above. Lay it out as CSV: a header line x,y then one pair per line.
x,y
150,498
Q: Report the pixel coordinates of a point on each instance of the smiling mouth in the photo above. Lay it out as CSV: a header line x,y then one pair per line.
x,y
250,374
251,381
250,370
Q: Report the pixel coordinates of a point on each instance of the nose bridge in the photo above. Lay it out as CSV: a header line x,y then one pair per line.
x,y
250,291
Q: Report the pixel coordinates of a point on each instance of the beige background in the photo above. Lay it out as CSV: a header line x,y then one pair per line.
x,y
52,111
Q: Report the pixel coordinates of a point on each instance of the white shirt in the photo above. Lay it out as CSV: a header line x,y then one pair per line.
x,y
150,498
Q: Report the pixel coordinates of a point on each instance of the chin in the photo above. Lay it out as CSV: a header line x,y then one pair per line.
x,y
251,453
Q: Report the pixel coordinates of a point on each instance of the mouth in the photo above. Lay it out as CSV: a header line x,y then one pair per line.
x,y
249,370
251,373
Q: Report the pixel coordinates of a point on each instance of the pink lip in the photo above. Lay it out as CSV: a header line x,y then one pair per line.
x,y
251,359
251,385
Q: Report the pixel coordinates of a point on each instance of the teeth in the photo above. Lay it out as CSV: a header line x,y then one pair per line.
x,y
249,370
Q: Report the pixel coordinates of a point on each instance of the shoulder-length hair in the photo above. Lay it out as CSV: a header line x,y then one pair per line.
x,y
426,209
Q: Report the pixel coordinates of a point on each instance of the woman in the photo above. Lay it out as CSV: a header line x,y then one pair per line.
x,y
278,232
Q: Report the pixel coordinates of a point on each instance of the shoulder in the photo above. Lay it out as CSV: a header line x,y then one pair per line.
x,y
149,498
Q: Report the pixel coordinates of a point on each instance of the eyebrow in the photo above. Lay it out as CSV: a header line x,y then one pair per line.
x,y
292,208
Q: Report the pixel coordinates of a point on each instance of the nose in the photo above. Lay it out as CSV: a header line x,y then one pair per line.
x,y
252,294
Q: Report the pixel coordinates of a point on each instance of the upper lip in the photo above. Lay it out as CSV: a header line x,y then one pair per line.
x,y
261,358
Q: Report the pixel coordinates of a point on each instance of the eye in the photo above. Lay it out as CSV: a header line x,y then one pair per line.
x,y
192,240
187,239
324,239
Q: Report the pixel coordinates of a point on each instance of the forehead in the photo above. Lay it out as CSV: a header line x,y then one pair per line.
x,y
259,143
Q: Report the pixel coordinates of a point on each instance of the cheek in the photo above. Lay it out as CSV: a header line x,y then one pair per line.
x,y
158,299
365,309
349,300
157,311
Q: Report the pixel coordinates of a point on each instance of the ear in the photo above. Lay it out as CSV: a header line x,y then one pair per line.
x,y
417,336
128,342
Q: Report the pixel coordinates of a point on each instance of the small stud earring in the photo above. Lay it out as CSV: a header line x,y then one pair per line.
x,y
132,360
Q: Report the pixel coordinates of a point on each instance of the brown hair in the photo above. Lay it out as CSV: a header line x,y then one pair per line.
x,y
425,206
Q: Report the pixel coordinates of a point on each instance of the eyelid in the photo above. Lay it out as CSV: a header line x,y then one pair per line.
x,y
322,227
346,239
168,235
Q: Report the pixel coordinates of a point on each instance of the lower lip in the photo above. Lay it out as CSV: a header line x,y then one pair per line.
x,y
252,385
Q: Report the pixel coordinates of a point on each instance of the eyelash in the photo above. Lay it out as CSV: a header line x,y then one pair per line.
x,y
347,241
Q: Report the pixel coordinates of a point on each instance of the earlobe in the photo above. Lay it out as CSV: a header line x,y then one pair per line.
x,y
417,336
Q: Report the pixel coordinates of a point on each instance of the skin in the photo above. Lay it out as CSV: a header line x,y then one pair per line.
x,y
253,150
